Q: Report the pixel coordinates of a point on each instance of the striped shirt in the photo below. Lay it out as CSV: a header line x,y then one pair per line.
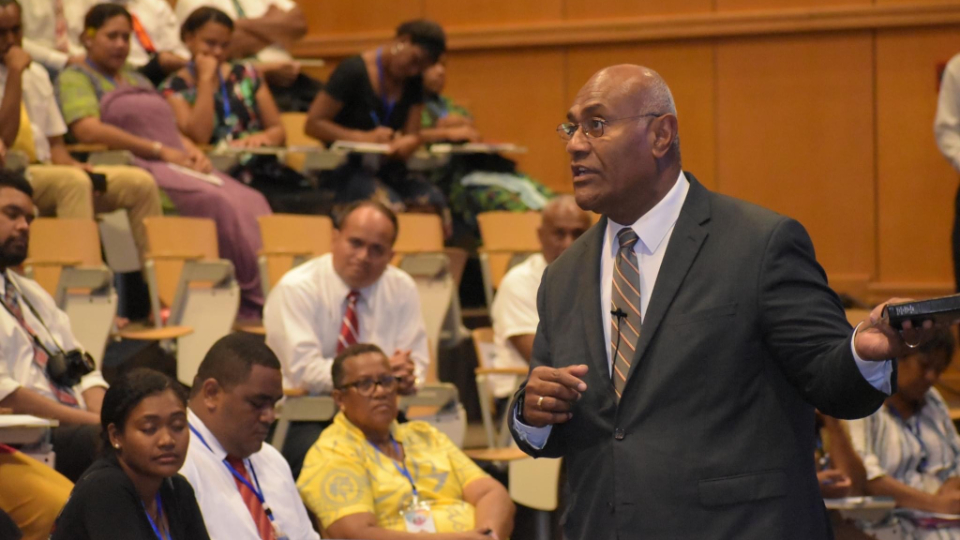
x,y
922,451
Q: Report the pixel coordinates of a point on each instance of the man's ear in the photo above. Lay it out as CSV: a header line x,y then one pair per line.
x,y
210,391
665,132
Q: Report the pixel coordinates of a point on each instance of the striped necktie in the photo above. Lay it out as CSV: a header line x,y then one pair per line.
x,y
259,515
350,327
625,300
12,300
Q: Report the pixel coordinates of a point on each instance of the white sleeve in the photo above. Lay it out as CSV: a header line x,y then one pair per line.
x,y
49,57
285,5
863,437
54,126
168,32
288,316
878,374
514,310
946,124
412,335
534,436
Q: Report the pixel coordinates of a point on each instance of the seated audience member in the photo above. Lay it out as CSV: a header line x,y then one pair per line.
x,y
221,102
384,471
478,182
514,309
910,447
244,487
32,329
348,296
31,494
134,492
105,103
30,121
377,97
155,48
266,29
840,473
46,31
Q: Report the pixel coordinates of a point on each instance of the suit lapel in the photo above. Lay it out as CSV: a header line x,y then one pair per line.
x,y
589,299
685,242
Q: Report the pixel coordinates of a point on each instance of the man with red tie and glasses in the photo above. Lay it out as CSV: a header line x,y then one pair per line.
x,y
42,372
244,487
351,295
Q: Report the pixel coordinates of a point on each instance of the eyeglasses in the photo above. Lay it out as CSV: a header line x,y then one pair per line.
x,y
593,128
366,387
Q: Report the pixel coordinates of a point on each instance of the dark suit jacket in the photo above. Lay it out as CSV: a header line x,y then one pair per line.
x,y
714,435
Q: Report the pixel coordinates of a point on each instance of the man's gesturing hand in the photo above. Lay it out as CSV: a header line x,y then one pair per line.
x,y
559,389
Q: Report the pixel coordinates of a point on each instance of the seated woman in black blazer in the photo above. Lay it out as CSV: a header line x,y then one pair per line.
x,y
134,491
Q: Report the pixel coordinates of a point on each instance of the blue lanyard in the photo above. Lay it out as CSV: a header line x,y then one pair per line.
x,y
223,91
916,435
156,530
257,492
387,104
404,471
101,73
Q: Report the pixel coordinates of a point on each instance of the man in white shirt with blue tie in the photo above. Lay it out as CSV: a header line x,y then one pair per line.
x,y
351,295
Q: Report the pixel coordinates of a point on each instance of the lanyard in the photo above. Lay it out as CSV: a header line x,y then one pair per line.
x,y
922,465
225,96
142,36
404,471
388,105
156,529
101,73
257,492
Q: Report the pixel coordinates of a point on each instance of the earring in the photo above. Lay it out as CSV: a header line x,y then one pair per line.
x,y
117,446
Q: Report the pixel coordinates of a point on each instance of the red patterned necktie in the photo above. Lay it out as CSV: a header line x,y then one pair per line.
x,y
350,327
259,515
12,300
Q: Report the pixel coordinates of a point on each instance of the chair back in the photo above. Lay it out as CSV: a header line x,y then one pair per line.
x,y
174,241
419,233
288,240
57,243
508,237
534,483
294,123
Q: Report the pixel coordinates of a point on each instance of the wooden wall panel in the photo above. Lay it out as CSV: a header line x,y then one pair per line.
x,y
613,9
728,5
688,67
795,134
351,16
479,12
916,184
517,96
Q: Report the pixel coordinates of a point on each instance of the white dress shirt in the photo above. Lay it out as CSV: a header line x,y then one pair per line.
x,y
157,19
222,506
946,123
39,30
304,312
654,230
252,9
41,105
17,367
514,313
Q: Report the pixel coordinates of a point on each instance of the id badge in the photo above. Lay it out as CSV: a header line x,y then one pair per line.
x,y
277,533
418,518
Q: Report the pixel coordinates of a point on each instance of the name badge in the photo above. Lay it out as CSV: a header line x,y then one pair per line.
x,y
277,533
418,518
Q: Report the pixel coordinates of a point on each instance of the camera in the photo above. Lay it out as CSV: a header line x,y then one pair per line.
x,y
67,368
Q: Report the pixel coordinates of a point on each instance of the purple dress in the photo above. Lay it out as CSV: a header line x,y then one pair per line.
x,y
233,206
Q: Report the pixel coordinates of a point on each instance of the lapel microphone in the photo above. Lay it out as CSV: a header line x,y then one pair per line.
x,y
619,314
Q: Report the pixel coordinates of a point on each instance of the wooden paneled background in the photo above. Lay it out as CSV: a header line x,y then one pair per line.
x,y
819,109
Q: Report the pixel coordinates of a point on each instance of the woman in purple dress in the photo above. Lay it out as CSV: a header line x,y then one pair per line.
x,y
105,103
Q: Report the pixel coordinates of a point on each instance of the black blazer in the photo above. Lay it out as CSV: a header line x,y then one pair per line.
x,y
714,435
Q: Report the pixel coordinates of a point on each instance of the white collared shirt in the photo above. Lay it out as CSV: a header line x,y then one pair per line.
x,y
304,312
41,105
222,506
654,230
252,9
157,19
39,30
17,366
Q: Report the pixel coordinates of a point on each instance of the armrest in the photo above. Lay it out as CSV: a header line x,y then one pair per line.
x,y
285,252
52,262
502,371
511,453
174,256
294,392
257,329
82,148
156,334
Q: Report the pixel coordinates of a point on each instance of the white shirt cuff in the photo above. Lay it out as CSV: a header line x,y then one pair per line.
x,y
878,374
535,437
